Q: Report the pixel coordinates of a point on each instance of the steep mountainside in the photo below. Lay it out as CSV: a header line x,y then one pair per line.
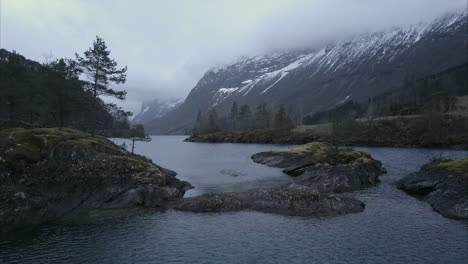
x,y
156,109
308,81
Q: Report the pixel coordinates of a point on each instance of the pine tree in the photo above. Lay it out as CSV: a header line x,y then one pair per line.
x,y
213,122
245,117
101,70
197,129
263,116
65,89
138,133
282,119
234,117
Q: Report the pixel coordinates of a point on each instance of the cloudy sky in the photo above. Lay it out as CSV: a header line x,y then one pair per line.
x,y
168,45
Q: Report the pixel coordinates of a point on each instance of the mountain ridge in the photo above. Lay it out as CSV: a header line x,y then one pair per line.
x,y
156,108
312,80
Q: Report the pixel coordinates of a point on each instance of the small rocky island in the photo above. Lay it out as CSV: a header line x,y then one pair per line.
x,y
319,169
48,172
325,168
294,200
443,184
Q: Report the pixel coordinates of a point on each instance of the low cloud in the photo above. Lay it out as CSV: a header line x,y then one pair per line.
x,y
168,45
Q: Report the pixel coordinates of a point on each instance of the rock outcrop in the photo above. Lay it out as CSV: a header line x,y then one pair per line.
x,y
294,200
324,167
48,172
443,184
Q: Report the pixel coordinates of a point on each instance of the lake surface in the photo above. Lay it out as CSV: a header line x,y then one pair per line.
x,y
394,228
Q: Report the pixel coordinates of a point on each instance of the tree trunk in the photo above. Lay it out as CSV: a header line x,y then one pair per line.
x,y
133,144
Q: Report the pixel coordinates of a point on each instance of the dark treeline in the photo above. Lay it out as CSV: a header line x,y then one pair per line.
x,y
438,93
243,118
53,94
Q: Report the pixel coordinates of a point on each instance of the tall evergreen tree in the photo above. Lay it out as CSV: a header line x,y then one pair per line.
x,y
263,116
213,122
282,119
197,128
234,117
101,70
245,117
65,89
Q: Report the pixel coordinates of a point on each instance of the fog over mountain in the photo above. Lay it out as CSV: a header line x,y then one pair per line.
x,y
169,45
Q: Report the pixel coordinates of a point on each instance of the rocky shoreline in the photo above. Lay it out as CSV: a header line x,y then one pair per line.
x,y
46,173
443,184
324,167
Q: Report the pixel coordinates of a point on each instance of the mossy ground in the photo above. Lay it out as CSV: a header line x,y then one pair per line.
x,y
454,168
32,145
325,152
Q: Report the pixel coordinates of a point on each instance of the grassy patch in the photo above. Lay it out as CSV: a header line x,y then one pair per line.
x,y
347,156
455,168
32,145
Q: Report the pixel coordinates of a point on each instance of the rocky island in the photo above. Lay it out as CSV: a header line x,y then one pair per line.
x,y
318,170
48,172
325,168
294,200
443,184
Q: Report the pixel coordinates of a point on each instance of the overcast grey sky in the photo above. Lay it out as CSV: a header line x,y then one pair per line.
x,y
168,45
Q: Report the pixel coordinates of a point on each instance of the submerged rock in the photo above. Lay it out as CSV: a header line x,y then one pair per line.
x,y
294,200
48,172
324,167
443,184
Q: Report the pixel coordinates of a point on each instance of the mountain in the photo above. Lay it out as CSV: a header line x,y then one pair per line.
x,y
442,93
312,80
155,109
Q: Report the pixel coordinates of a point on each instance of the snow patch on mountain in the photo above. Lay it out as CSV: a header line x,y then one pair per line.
x,y
156,109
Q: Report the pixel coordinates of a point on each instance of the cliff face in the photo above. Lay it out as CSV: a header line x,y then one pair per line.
x,y
313,80
46,173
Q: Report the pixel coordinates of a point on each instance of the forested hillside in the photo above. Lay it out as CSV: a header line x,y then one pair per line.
x,y
52,95
443,92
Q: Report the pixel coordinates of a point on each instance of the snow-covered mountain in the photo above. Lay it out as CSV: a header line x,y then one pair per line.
x,y
155,109
316,79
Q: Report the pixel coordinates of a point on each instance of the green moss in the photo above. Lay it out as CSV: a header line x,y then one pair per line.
x,y
455,168
32,145
347,156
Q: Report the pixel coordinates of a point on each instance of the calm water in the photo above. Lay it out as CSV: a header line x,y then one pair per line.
x,y
394,228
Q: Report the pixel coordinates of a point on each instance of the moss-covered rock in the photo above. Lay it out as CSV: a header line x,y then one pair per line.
x,y
443,184
324,167
48,172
